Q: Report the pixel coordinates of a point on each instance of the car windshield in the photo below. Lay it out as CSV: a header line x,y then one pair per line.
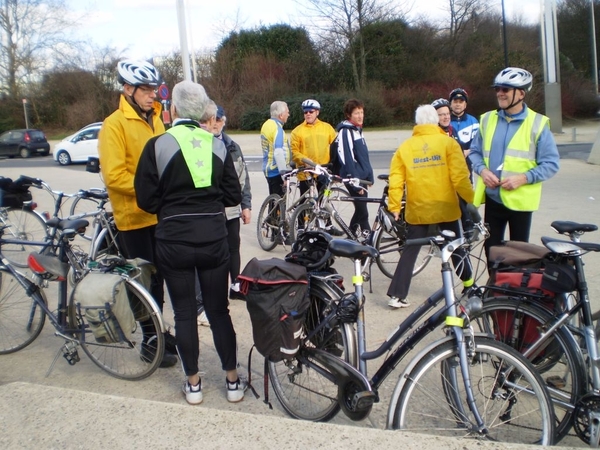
x,y
36,134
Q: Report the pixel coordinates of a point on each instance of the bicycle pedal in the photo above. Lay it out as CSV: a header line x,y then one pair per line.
x,y
71,355
366,276
363,400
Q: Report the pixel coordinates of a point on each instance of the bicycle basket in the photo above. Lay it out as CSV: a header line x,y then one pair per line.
x,y
311,250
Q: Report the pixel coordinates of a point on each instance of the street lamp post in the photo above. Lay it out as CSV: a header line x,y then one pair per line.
x,y
593,45
551,65
25,112
505,38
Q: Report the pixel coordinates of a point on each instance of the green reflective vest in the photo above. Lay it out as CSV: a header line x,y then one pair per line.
x,y
196,147
520,157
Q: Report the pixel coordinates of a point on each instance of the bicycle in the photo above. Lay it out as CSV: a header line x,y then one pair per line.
x,y
20,219
564,346
132,355
276,224
387,234
462,384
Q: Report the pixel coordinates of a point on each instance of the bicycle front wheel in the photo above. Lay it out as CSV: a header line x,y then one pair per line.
x,y
558,359
133,359
390,246
303,219
25,225
345,208
83,205
21,316
509,395
267,224
303,392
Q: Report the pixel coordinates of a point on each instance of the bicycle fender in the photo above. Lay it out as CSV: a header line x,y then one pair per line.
x,y
151,301
339,368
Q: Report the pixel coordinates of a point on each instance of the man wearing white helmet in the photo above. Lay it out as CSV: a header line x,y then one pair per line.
x,y
120,143
311,140
513,153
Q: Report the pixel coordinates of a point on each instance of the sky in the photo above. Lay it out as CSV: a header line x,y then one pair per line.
x,y
145,28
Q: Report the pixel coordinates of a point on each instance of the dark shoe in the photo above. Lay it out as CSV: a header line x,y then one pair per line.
x,y
236,295
170,343
335,232
169,360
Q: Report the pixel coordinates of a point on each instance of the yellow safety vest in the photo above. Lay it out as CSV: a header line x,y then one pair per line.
x,y
520,157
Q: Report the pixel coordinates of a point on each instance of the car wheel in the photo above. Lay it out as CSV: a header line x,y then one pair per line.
x,y
63,158
24,152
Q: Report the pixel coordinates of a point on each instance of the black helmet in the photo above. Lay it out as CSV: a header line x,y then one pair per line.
x,y
440,102
459,93
311,250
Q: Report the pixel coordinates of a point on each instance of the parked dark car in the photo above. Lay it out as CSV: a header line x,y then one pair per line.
x,y
24,143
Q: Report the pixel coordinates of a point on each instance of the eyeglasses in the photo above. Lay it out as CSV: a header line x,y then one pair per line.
x,y
502,89
148,90
309,112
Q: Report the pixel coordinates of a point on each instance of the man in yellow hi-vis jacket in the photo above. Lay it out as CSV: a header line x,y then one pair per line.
x,y
513,153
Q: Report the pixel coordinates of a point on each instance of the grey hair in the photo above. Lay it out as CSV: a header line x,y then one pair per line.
x,y
209,112
190,100
278,108
426,115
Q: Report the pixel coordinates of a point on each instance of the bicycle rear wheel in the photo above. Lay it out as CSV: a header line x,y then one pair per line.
x,y
558,360
345,208
303,392
303,219
390,247
133,359
509,394
21,318
82,205
267,224
23,224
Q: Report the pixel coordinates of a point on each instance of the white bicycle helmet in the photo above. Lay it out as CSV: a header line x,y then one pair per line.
x,y
440,102
309,104
513,77
137,73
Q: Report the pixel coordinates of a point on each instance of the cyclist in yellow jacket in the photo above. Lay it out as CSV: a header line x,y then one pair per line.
x,y
120,143
430,167
311,140
513,153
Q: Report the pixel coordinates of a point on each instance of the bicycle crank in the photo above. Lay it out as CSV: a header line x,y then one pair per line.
x,y
587,419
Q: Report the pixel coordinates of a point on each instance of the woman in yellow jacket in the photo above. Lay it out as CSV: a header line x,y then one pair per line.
x,y
431,168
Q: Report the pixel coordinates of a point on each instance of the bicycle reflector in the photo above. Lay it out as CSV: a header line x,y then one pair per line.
x,y
34,265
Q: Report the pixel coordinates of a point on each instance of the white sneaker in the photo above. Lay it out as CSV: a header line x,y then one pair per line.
x,y
203,320
193,394
396,303
235,390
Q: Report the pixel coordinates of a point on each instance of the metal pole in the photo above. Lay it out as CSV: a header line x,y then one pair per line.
x,y
505,38
185,54
549,42
593,42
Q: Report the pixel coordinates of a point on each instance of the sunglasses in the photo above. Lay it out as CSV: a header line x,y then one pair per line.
x,y
309,112
502,89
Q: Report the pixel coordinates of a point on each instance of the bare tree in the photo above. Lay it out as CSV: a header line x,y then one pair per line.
x,y
32,32
342,23
462,12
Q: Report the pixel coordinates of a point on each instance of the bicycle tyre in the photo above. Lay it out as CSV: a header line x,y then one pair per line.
x,y
559,362
26,225
124,360
106,243
84,205
303,219
21,318
267,224
302,392
516,409
389,248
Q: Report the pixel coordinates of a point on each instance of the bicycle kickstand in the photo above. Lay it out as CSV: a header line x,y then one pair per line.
x,y
69,352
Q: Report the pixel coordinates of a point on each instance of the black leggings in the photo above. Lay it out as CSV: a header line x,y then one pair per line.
x,y
179,264
361,211
497,216
233,242
403,275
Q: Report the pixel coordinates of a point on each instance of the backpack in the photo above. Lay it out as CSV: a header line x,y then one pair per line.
x,y
334,157
103,300
13,193
277,299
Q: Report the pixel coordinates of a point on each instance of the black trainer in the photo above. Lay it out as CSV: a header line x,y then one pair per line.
x,y
148,351
170,343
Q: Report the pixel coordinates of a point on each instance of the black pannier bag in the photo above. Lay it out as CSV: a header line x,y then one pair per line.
x,y
13,193
277,299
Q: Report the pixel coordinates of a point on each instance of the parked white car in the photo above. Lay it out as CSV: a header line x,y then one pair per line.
x,y
79,146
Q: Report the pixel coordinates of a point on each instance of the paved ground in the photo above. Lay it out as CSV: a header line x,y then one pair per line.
x,y
80,406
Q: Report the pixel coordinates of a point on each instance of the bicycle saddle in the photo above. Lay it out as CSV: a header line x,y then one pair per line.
x,y
351,249
566,227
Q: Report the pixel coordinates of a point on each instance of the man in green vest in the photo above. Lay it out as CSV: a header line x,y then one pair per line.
x,y
513,153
